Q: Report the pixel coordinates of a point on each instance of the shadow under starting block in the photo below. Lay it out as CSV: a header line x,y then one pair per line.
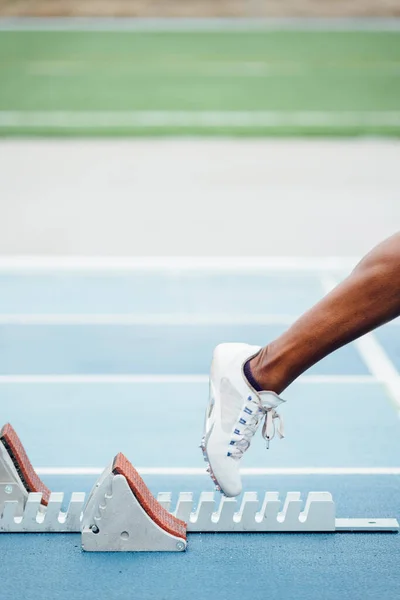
x,y
121,514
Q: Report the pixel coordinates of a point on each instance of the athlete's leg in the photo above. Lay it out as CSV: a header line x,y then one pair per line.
x,y
369,297
245,380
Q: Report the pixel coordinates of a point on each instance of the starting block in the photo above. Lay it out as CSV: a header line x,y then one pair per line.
x,y
121,514
17,476
26,504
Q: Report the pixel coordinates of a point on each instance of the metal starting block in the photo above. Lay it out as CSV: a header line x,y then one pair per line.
x,y
26,504
122,515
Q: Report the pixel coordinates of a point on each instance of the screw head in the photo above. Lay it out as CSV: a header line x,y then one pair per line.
x,y
94,529
180,546
8,489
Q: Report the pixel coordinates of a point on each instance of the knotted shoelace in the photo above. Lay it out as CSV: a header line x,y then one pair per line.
x,y
269,428
268,431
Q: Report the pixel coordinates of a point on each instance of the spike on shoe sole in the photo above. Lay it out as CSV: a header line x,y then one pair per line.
x,y
209,469
18,455
156,512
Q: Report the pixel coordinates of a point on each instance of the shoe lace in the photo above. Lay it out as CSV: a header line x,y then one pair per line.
x,y
270,428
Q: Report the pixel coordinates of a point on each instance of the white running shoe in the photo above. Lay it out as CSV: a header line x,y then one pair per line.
x,y
233,415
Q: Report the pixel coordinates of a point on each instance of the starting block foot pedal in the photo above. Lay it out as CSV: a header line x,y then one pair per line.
x,y
122,515
26,504
17,476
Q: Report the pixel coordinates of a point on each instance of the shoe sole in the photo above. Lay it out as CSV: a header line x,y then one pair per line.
x,y
207,432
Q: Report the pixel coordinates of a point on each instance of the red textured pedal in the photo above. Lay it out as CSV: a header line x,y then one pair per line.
x,y
27,473
156,512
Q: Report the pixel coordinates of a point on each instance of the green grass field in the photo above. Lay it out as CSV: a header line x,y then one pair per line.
x,y
279,82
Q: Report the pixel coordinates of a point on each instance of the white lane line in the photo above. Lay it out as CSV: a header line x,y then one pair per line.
x,y
374,356
102,379
212,264
104,120
146,319
246,471
169,379
149,319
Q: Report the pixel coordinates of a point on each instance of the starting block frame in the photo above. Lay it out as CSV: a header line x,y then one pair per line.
x,y
120,514
209,516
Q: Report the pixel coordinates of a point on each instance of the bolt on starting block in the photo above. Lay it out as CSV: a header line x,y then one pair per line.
x,y
121,514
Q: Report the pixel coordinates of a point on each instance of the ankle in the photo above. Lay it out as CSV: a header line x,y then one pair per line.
x,y
268,368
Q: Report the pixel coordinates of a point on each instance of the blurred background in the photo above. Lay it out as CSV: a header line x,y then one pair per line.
x,y
223,127
175,174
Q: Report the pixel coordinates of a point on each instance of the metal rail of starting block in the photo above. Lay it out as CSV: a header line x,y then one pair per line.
x,y
206,516
113,519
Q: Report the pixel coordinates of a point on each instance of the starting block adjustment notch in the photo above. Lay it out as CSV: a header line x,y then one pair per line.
x,y
33,517
273,516
184,506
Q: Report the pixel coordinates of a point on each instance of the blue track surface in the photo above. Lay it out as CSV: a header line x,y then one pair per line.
x,y
337,423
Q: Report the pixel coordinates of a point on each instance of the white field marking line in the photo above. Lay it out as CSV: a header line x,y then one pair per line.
x,y
198,24
170,379
245,471
373,355
211,119
235,264
145,319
